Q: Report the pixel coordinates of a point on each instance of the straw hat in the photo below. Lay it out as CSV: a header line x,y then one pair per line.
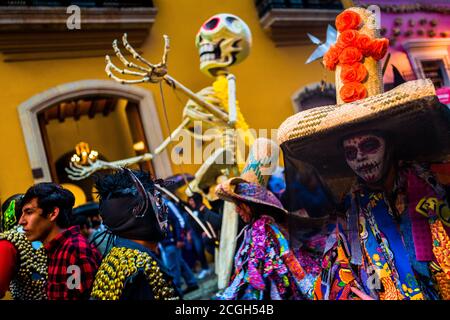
x,y
239,190
410,116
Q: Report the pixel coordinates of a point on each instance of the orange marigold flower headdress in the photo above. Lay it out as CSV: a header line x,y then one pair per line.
x,y
349,53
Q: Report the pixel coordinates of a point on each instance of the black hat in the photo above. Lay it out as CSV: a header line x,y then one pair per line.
x,y
131,206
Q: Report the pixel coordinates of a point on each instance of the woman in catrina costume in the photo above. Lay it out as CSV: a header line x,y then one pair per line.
x,y
265,266
393,243
23,264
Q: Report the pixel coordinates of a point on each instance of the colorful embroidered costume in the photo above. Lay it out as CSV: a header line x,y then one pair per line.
x,y
394,243
309,254
265,266
403,244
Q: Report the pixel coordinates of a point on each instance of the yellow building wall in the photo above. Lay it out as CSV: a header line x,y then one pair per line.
x,y
265,81
113,139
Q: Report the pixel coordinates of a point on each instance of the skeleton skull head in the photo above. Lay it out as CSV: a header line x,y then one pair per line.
x,y
222,41
365,154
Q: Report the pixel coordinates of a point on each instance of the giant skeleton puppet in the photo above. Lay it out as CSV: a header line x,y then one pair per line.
x,y
223,41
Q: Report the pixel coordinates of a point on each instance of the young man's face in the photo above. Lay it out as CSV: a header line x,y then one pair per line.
x,y
35,225
365,154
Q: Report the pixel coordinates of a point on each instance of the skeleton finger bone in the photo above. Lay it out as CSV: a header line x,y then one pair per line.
x,y
166,49
156,74
126,71
75,177
125,61
136,55
76,174
80,176
75,167
110,65
71,171
157,71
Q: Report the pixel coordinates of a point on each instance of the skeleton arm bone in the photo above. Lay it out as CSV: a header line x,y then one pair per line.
x,y
79,172
129,161
172,136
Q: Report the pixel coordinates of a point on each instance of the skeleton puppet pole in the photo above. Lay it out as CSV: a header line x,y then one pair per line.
x,y
224,258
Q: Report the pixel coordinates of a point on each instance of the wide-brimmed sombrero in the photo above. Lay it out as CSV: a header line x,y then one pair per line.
x,y
239,190
410,115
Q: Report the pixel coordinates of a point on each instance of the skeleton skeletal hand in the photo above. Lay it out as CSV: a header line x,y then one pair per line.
x,y
153,73
79,172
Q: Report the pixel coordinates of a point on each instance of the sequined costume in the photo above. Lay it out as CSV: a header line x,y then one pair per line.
x,y
29,282
136,266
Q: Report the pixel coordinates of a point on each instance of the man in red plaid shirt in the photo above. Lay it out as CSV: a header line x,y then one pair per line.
x,y
72,261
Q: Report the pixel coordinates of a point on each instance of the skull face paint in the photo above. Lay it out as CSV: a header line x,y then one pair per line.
x,y
365,155
222,41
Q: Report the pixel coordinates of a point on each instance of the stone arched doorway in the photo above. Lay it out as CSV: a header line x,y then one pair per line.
x,y
29,110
